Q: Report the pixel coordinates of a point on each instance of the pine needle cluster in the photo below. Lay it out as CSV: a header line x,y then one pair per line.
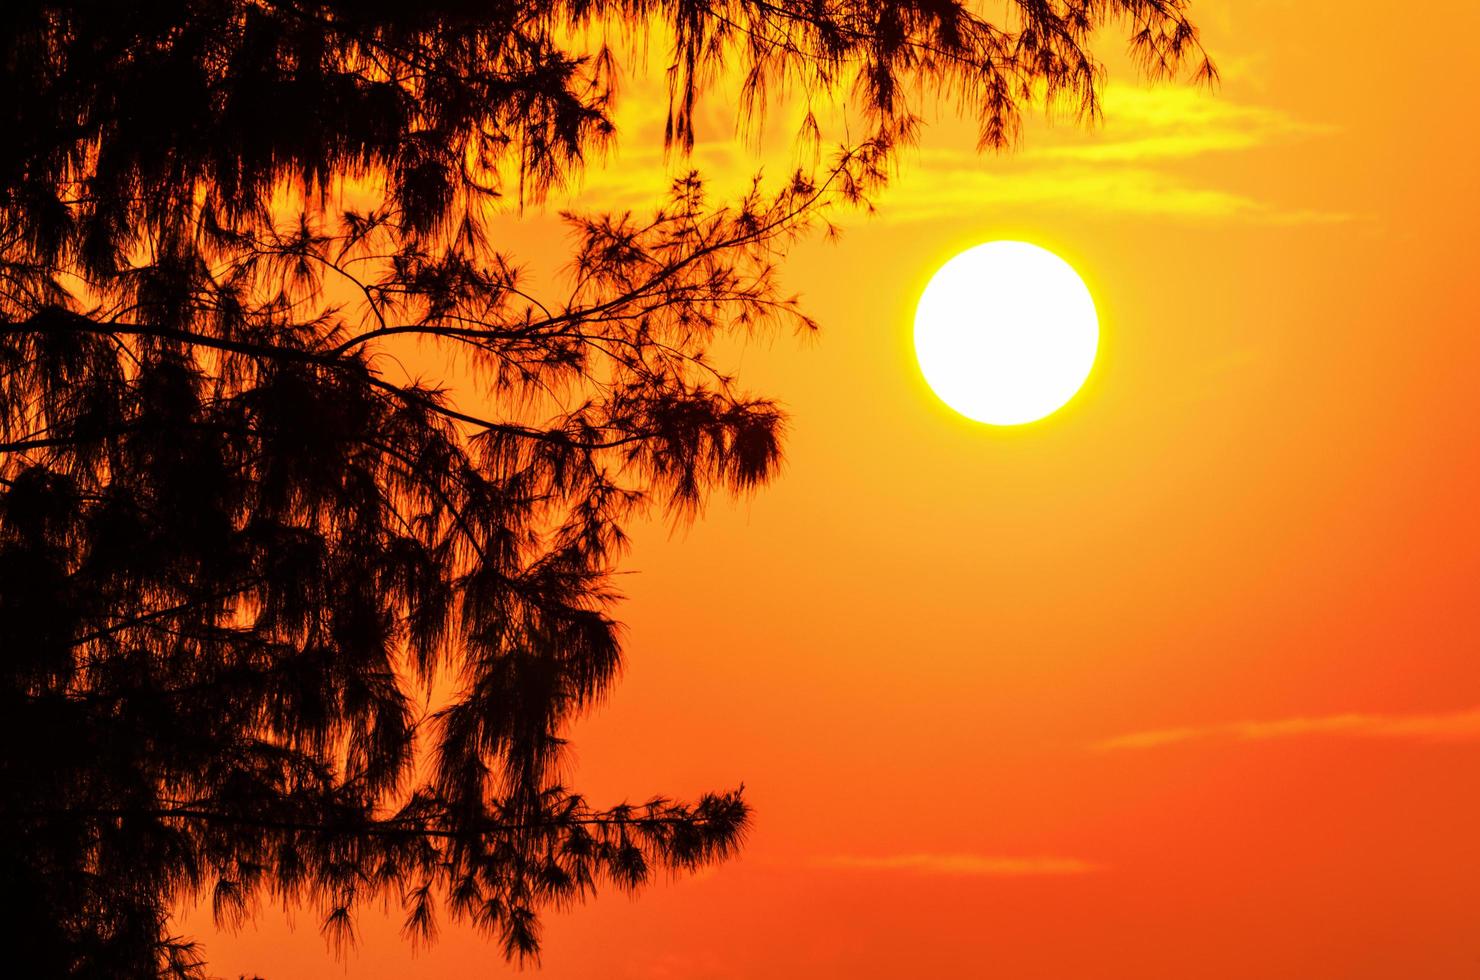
x,y
281,620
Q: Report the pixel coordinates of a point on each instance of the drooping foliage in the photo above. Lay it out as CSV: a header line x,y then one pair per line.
x,y
281,619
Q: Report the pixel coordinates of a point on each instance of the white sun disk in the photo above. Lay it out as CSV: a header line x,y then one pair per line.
x,y
1006,333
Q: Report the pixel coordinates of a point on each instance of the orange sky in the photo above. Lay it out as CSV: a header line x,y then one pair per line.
x,y
1180,683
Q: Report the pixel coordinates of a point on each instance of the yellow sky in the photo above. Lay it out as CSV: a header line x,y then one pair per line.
x,y
1180,683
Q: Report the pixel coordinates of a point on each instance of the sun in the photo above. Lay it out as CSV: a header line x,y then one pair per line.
x,y
1006,333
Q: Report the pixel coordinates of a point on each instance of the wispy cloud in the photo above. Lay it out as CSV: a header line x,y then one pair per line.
x,y
1131,164
961,864
1174,122
968,185
1454,726
1134,162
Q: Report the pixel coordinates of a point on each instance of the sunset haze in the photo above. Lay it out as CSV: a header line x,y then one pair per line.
x,y
1178,683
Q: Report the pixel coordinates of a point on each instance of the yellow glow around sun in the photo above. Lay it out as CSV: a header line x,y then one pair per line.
x,y
1006,333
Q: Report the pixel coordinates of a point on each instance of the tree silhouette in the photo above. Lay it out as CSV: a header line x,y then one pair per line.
x,y
281,621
